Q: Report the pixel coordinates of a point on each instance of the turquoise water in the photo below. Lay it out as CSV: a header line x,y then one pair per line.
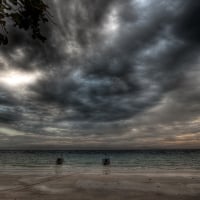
x,y
88,161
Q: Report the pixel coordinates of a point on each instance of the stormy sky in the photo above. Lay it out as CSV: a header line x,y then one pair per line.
x,y
113,74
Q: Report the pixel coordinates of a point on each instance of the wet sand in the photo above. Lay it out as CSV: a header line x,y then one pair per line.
x,y
147,186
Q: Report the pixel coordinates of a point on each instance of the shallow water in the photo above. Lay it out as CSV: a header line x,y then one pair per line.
x,y
90,161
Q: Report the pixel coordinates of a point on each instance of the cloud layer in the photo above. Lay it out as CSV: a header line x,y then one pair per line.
x,y
112,74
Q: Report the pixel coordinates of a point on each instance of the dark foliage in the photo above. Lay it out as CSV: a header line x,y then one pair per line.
x,y
24,14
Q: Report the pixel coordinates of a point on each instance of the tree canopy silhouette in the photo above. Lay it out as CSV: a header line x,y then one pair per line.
x,y
24,14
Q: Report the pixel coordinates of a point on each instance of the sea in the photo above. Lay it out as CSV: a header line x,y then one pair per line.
x,y
90,161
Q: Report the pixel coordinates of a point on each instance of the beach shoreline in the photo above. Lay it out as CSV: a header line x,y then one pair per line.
x,y
162,185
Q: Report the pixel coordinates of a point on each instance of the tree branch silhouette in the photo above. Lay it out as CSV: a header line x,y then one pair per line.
x,y
24,14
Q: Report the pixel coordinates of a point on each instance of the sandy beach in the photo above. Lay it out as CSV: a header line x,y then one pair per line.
x,y
137,186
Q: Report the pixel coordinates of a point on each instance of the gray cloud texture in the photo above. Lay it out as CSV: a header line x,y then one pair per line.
x,y
115,74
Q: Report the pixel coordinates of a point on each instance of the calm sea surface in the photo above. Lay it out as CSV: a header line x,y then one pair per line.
x,y
91,161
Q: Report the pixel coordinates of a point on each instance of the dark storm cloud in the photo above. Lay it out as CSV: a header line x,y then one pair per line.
x,y
24,53
79,23
187,23
117,81
104,65
8,107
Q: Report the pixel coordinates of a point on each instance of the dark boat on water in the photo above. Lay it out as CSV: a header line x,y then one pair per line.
x,y
59,161
106,161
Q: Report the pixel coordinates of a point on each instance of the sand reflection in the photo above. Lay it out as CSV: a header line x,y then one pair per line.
x,y
106,170
58,170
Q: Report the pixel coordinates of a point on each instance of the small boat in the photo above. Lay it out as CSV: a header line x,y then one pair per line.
x,y
106,161
59,161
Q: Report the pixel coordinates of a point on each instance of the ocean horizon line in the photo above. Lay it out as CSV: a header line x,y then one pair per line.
x,y
100,150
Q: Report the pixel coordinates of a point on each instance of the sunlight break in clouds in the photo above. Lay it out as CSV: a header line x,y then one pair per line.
x,y
18,78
